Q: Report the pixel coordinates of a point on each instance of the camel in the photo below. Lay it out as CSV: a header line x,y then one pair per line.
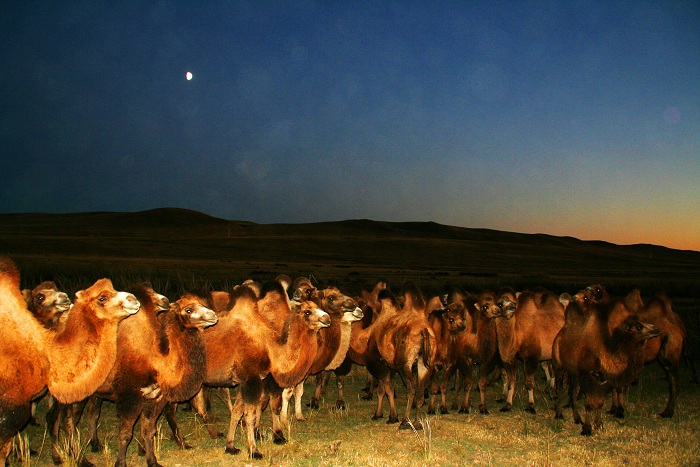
x,y
71,363
401,339
448,322
49,306
599,353
526,328
259,351
163,348
668,350
333,343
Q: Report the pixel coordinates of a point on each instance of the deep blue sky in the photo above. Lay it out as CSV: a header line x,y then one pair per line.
x,y
568,118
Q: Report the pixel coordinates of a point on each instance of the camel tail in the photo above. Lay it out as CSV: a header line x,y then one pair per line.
x,y
429,349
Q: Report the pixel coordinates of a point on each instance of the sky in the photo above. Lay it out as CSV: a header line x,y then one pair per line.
x,y
569,118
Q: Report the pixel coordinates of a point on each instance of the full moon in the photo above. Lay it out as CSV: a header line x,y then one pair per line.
x,y
188,75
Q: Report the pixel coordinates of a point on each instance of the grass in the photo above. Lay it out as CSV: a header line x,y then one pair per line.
x,y
331,437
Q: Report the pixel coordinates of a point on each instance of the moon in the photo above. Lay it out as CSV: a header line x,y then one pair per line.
x,y
188,75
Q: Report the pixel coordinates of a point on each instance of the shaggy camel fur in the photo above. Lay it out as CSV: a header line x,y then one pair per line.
x,y
166,351
72,363
260,351
601,350
526,328
401,339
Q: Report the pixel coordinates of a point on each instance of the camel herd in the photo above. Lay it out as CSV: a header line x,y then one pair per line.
x,y
147,353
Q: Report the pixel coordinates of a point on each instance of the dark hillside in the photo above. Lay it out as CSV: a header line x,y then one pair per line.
x,y
170,241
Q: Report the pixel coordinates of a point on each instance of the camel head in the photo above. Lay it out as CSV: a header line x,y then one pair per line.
x,y
355,314
487,306
453,316
303,289
637,330
507,307
584,299
314,317
598,293
334,302
47,302
192,312
107,303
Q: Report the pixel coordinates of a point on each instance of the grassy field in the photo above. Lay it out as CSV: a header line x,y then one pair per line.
x,y
176,250
331,437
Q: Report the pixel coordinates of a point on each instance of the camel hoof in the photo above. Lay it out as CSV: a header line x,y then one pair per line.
x,y
505,408
96,446
483,410
406,425
278,438
256,455
232,451
587,430
558,416
444,411
531,409
392,420
666,414
368,397
313,404
431,410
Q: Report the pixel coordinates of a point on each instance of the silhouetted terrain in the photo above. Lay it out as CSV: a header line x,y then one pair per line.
x,y
354,252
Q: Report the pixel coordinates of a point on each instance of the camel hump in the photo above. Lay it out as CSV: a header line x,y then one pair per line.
x,y
9,271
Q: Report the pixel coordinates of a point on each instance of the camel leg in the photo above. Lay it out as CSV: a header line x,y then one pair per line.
x,y
287,394
408,379
672,378
339,383
169,413
320,391
198,403
379,411
149,417
298,393
94,407
468,383
127,419
236,415
530,371
508,386
435,386
449,372
484,371
275,410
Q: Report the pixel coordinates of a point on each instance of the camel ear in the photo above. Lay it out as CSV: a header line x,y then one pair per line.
x,y
27,296
79,294
295,306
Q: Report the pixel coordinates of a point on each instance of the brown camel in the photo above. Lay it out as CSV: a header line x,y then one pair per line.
x,y
72,363
401,339
259,351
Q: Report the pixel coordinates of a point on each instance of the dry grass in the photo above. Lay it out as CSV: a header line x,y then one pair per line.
x,y
331,437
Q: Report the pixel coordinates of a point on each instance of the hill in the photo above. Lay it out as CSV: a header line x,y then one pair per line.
x,y
174,240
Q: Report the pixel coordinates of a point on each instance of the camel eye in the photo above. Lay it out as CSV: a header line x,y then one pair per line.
x,y
102,299
307,313
638,326
188,310
40,297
